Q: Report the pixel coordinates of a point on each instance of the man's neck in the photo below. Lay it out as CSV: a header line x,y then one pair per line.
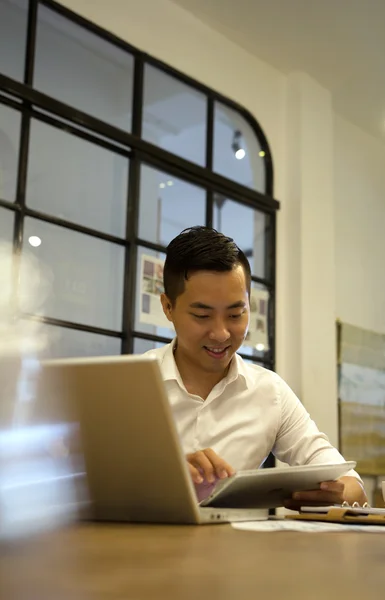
x,y
196,380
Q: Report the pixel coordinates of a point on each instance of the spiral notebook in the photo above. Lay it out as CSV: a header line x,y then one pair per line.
x,y
341,514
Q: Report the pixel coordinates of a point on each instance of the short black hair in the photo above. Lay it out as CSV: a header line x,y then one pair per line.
x,y
200,249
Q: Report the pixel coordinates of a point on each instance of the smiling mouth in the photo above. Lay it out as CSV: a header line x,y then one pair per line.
x,y
216,352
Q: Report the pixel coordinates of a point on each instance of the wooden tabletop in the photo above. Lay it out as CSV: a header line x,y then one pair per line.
x,y
140,562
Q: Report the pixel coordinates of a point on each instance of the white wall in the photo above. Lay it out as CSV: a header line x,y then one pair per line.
x,y
359,207
306,311
359,227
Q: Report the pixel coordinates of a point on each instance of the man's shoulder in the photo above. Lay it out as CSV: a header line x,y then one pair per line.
x,y
255,374
157,352
163,354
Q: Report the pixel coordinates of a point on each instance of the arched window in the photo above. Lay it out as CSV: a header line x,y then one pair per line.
x,y
105,155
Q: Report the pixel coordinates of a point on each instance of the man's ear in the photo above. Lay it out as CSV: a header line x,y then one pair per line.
x,y
167,306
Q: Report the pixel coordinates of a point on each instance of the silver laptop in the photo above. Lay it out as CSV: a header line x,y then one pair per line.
x,y
122,436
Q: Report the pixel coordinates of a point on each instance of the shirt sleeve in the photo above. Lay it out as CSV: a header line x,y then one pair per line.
x,y
299,441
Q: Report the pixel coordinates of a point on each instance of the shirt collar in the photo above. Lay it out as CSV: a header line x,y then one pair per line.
x,y
244,371
238,369
169,369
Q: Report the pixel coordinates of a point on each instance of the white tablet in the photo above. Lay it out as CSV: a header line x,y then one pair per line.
x,y
268,488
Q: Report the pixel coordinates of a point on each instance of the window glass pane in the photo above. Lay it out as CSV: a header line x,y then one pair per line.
x,y
257,340
250,230
9,151
174,116
232,135
149,317
10,97
142,346
167,206
6,237
13,37
89,182
78,127
6,225
62,342
83,70
85,283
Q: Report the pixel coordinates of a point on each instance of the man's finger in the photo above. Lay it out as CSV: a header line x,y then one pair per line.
x,y
222,468
318,496
297,504
333,486
202,463
194,473
321,497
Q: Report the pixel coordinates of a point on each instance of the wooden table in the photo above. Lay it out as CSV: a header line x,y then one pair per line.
x,y
140,562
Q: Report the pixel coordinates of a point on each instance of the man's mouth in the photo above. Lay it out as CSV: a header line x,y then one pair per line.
x,y
216,351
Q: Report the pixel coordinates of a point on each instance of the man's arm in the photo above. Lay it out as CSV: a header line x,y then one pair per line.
x,y
299,442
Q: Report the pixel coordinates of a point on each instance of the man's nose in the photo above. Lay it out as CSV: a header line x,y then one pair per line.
x,y
219,332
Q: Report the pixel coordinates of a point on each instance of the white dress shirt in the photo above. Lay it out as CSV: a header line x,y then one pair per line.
x,y
247,415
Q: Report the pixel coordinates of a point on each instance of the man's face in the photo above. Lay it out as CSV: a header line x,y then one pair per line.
x,y
210,317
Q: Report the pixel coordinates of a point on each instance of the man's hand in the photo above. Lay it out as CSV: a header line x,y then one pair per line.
x,y
207,465
331,492
347,488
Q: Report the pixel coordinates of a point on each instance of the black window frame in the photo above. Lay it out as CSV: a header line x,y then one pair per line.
x,y
34,104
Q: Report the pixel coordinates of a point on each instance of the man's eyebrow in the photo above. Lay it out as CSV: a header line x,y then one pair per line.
x,y
239,304
201,305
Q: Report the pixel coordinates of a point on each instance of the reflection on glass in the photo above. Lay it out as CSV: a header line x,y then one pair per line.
x,y
167,206
249,228
63,342
90,182
238,154
13,37
147,301
174,116
83,70
9,151
84,276
37,470
142,346
37,479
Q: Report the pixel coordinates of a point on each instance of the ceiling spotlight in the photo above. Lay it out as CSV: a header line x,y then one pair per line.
x,y
260,347
262,153
162,185
240,154
170,183
34,241
237,146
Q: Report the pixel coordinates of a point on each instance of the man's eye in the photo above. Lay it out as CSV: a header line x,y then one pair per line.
x,y
236,316
201,316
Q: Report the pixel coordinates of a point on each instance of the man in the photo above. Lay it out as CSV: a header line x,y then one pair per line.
x,y
229,414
